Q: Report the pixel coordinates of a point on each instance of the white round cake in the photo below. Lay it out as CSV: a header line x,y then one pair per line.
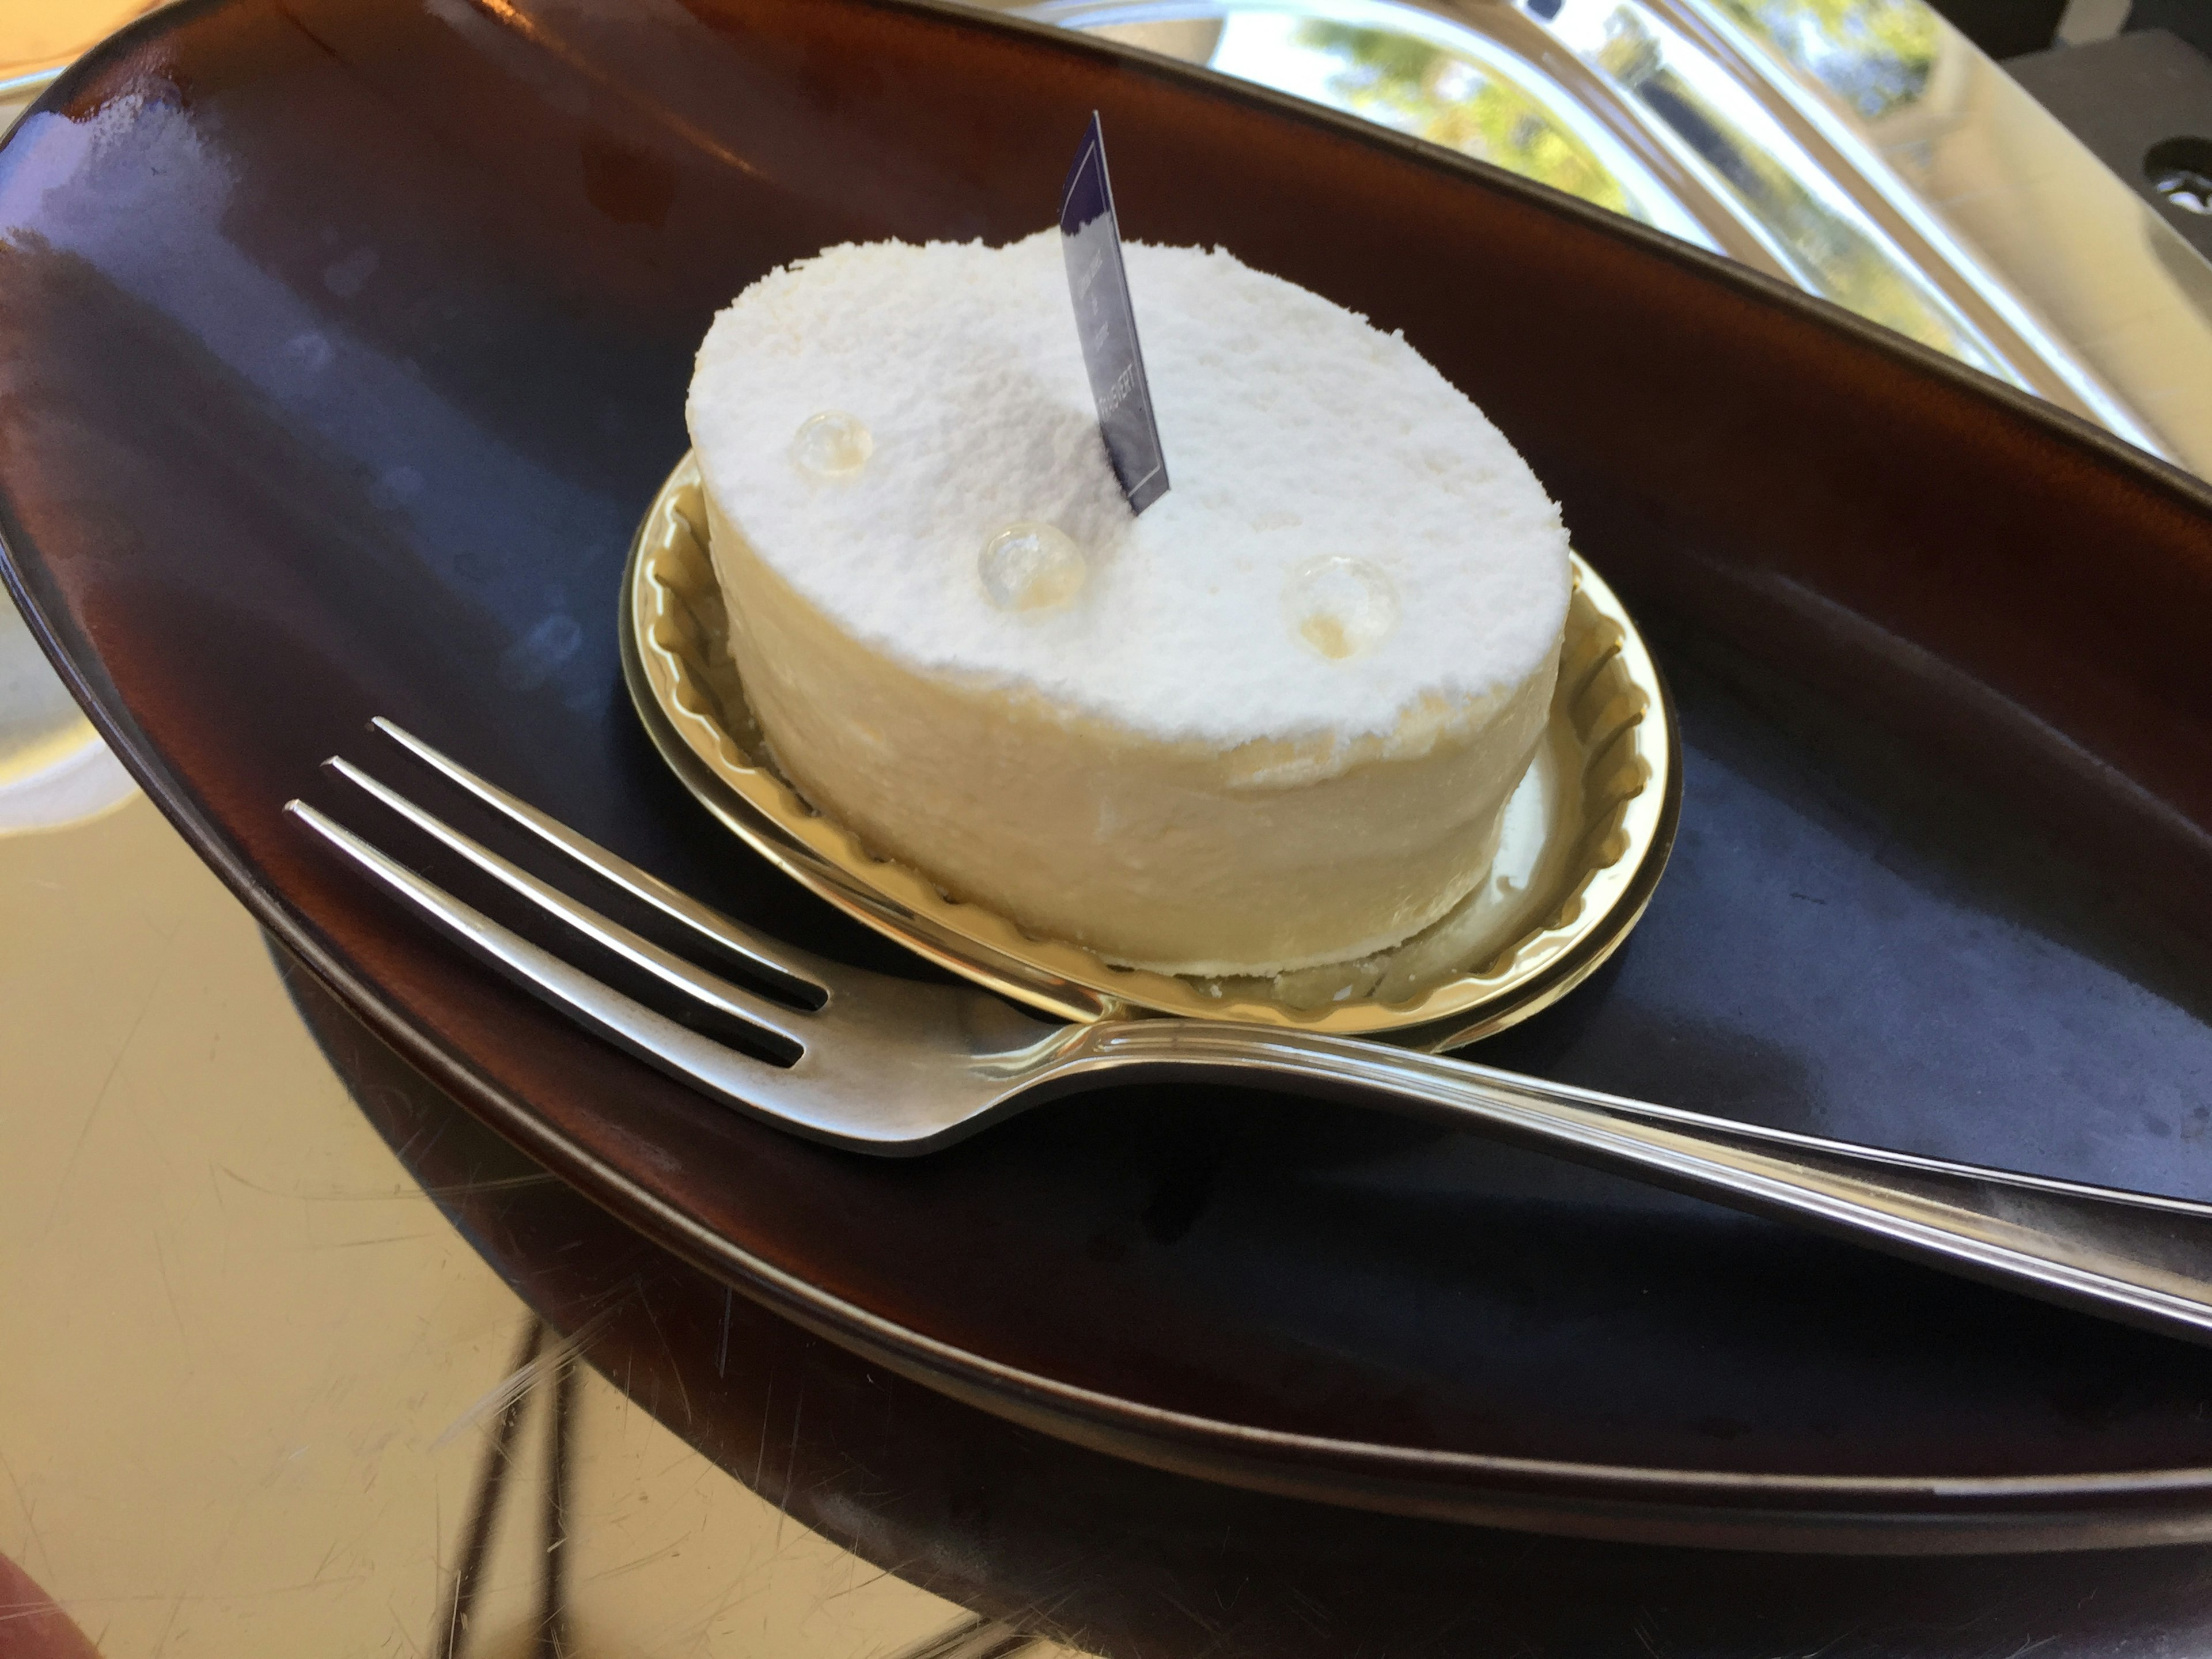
x,y
1272,723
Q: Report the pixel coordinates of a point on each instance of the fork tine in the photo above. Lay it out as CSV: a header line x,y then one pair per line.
x,y
638,884
720,994
723,1072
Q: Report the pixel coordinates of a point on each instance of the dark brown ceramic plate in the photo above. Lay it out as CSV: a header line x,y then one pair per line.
x,y
342,341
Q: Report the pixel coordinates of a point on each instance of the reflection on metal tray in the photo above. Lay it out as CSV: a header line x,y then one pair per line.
x,y
1870,154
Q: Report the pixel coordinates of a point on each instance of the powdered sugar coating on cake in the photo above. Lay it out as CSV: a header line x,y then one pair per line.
x,y
1295,433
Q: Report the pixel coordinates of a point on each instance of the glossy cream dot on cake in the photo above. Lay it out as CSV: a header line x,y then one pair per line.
x,y
1032,567
1269,724
831,444
1340,605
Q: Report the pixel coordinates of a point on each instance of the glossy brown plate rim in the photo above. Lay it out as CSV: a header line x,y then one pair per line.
x,y
1853,1514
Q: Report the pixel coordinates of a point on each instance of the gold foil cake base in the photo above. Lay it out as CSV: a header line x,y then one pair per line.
x,y
1585,834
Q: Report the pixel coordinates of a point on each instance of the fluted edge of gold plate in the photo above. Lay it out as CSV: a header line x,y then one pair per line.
x,y
1610,720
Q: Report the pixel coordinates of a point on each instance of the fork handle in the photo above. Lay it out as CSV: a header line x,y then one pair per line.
x,y
2144,1259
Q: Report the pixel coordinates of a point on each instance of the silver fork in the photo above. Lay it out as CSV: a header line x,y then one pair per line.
x,y
891,1065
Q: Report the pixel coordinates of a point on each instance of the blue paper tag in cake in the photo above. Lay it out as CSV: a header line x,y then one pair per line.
x,y
1090,240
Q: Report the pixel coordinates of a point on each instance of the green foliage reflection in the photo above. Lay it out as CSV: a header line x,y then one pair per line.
x,y
1406,83
1876,55
1828,250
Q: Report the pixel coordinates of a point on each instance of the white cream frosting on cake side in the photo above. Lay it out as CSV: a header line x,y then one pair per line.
x,y
1270,723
